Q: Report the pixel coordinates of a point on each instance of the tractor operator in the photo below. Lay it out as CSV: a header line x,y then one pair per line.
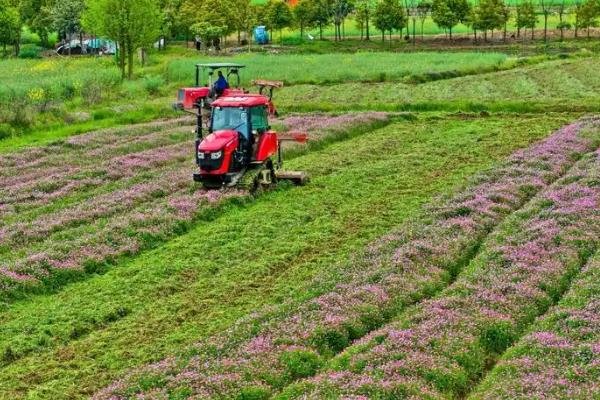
x,y
221,84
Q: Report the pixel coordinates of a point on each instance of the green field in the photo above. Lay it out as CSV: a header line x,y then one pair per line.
x,y
327,69
160,265
355,196
553,85
53,93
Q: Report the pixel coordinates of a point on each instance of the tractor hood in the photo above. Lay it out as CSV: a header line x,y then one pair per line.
x,y
218,140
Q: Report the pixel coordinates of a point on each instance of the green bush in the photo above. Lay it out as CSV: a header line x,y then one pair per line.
x,y
153,84
300,363
497,337
6,131
30,51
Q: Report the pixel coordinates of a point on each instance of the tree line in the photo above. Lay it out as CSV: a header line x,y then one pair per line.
x,y
135,24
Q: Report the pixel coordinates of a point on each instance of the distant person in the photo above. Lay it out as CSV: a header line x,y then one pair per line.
x,y
221,84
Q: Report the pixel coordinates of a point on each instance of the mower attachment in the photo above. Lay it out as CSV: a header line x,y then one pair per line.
x,y
298,178
299,137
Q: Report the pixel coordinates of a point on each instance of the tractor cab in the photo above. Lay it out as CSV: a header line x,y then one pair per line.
x,y
239,137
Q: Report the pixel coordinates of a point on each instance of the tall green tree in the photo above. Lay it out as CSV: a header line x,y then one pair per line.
x,y
489,15
10,26
449,13
171,23
363,13
588,15
133,24
244,17
423,11
389,16
322,15
36,14
340,9
279,16
546,7
526,17
304,13
66,18
562,10
212,20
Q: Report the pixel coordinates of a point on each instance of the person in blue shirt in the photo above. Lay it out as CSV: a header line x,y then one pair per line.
x,y
221,84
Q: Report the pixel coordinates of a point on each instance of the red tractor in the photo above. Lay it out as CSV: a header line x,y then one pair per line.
x,y
240,148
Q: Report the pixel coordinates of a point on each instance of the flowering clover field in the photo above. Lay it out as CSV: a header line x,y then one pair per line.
x,y
560,357
75,206
263,354
443,346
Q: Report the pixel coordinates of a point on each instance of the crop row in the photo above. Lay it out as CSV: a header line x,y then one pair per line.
x,y
75,205
560,357
265,354
442,347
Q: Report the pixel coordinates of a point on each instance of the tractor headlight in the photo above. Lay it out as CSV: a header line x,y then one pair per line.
x,y
200,155
216,155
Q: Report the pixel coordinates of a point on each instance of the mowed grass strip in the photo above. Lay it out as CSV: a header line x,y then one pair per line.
x,y
558,85
71,344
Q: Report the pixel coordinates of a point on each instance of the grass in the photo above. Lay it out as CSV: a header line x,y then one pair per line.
x,y
99,118
554,85
167,298
557,357
64,94
296,69
31,122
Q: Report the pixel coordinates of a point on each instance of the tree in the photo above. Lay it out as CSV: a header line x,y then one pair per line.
x,y
411,12
449,13
588,14
364,9
546,6
423,11
488,15
340,9
209,32
304,14
133,24
243,17
561,10
322,15
10,26
389,16
279,16
36,14
66,18
526,17
212,20
171,22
